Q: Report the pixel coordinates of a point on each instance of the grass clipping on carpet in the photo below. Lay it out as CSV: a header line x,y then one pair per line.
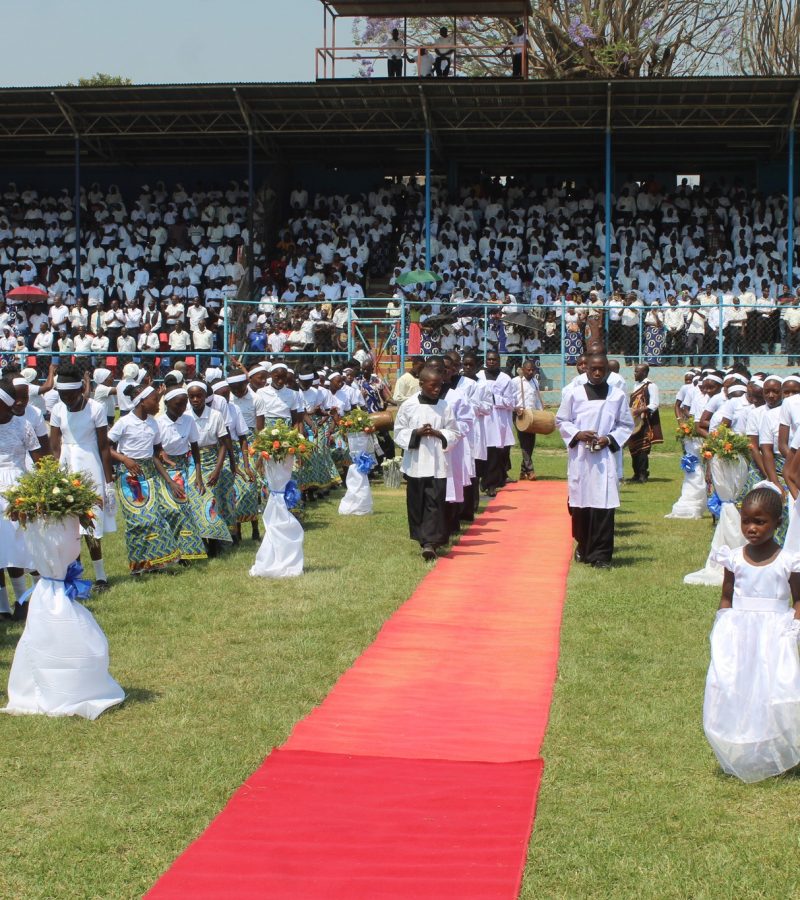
x,y
218,667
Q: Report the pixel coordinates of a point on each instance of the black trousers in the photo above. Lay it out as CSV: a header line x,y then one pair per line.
x,y
395,67
468,507
593,530
526,444
641,464
427,516
496,468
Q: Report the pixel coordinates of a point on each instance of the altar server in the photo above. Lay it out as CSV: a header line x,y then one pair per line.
x,y
499,426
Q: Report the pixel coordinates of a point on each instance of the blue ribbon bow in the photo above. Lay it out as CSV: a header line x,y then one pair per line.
x,y
75,587
291,494
714,504
689,462
364,462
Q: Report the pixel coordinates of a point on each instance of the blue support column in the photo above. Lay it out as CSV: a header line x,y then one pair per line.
x,y
563,346
790,235
428,199
608,190
77,214
251,198
402,337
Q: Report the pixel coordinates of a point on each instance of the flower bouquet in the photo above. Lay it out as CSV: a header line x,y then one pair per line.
x,y
686,428
723,443
60,666
279,442
356,422
51,492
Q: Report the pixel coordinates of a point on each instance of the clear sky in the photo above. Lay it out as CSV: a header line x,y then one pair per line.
x,y
51,42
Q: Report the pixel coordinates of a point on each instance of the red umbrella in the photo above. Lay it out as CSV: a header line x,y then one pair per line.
x,y
27,290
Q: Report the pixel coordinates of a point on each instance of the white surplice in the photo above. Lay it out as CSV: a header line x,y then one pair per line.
x,y
592,475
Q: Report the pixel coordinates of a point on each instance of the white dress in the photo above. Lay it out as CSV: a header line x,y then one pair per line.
x,y
80,453
17,439
751,711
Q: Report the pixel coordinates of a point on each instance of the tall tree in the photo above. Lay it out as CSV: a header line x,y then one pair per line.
x,y
770,42
586,38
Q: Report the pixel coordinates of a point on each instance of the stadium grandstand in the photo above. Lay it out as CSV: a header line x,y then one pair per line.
x,y
153,222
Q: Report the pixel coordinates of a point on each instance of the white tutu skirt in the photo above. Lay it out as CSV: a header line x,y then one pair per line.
x,y
751,711
60,666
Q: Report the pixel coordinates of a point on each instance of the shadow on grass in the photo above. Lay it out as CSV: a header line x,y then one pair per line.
x,y
626,561
139,695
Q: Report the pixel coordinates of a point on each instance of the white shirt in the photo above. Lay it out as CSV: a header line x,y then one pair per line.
x,y
274,404
210,427
135,437
178,435
427,459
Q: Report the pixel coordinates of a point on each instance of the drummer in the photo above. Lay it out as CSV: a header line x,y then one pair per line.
x,y
528,397
377,397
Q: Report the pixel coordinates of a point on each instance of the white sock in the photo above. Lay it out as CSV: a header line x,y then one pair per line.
x,y
19,586
99,570
4,607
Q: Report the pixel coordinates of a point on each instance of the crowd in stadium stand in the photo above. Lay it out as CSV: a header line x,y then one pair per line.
x,y
687,265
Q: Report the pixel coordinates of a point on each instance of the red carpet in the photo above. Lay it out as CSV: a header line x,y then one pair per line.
x,y
417,776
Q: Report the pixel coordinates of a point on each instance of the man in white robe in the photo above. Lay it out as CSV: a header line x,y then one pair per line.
x,y
480,395
595,423
499,425
426,430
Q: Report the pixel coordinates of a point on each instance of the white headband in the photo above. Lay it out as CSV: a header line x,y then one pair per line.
x,y
736,389
715,378
334,375
143,395
773,378
236,379
177,375
21,382
275,366
757,382
219,386
175,392
197,384
793,378
739,377
68,385
7,398
766,484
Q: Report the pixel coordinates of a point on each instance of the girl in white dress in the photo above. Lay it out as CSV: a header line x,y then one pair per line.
x,y
751,711
79,440
17,439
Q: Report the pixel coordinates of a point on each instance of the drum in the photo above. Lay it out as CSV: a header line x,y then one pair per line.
x,y
384,420
535,421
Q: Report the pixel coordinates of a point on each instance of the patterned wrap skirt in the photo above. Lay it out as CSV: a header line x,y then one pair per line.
x,y
223,491
149,539
182,514
318,472
247,493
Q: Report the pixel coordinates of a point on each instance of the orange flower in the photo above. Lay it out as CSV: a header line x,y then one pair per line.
x,y
251,452
291,451
302,448
91,514
708,454
276,445
727,447
264,454
19,501
76,482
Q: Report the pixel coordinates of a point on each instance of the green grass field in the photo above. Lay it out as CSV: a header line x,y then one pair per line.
x,y
218,668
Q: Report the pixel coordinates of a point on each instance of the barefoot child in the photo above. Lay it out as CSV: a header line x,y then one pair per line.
x,y
426,429
751,712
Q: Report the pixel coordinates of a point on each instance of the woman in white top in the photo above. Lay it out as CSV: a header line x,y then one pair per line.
x,y
79,440
105,393
214,443
17,439
526,392
193,518
143,482
768,435
246,488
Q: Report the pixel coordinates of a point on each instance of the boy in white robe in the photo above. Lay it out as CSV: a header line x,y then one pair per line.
x,y
595,423
499,425
481,397
426,430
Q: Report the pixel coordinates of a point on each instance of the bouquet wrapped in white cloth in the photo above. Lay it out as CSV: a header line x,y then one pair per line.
x,y
60,666
358,499
692,502
728,477
281,552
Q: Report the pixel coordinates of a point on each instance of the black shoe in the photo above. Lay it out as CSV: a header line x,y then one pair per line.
x,y
100,587
428,553
491,492
578,557
601,564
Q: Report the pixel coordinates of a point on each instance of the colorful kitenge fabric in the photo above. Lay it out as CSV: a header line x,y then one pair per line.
x,y
247,493
210,523
318,472
223,490
149,539
654,337
181,514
